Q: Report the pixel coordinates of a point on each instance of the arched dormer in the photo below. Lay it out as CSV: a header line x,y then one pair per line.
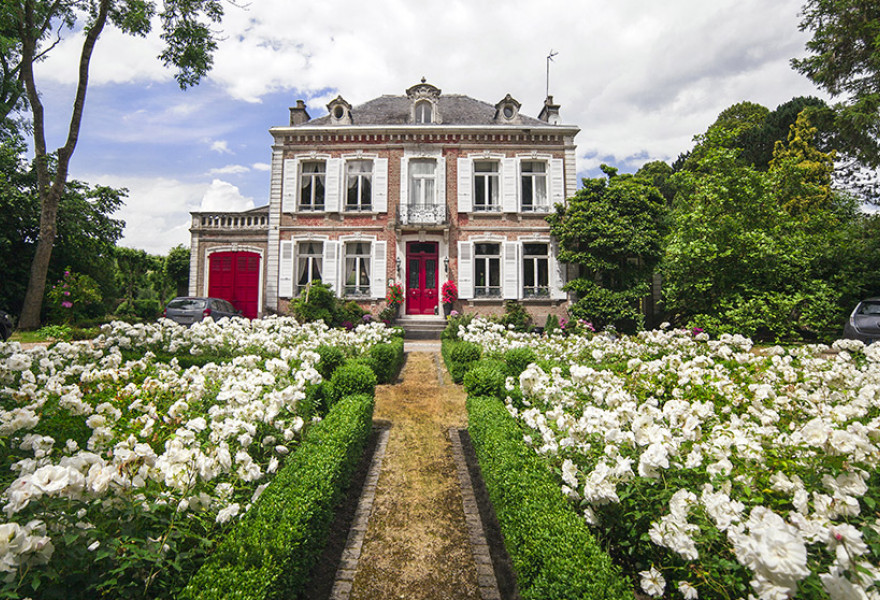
x,y
507,110
340,111
424,97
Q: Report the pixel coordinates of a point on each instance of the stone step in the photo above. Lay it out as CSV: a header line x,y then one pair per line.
x,y
421,328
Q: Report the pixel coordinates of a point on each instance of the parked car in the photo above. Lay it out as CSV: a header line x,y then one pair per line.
x,y
5,326
186,310
864,322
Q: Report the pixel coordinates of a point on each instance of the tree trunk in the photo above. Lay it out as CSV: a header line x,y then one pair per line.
x,y
50,189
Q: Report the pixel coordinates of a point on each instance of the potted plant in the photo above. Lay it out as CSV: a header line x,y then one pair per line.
x,y
449,295
394,297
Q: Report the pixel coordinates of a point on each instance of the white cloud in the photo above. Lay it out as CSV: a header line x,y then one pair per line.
x,y
221,146
229,170
261,166
223,196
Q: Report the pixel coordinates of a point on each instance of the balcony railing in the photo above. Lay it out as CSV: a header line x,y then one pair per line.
x,y
234,220
423,214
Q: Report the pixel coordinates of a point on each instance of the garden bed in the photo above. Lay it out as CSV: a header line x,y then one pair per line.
x,y
120,476
707,469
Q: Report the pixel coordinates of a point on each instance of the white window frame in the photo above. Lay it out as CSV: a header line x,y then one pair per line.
x,y
491,182
554,182
312,204
488,291
423,112
533,267
419,182
533,177
298,254
362,289
361,177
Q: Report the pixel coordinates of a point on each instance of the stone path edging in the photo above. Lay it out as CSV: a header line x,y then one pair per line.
x,y
352,553
479,546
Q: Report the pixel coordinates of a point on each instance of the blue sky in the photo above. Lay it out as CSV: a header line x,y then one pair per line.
x,y
639,78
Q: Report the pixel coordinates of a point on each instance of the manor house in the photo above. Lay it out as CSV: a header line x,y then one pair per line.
x,y
419,188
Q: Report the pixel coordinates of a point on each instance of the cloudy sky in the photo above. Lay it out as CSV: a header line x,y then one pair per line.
x,y
639,78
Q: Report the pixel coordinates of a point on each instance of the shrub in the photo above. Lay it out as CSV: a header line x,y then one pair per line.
x,y
332,357
452,325
517,359
352,378
317,303
73,298
271,551
486,378
552,550
386,360
552,324
515,314
459,357
351,312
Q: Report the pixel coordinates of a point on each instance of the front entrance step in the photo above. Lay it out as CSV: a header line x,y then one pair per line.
x,y
422,327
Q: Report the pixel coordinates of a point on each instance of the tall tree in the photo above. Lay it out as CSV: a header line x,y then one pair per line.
x,y
38,24
612,229
845,61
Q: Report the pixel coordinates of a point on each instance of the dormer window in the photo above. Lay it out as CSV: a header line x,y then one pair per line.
x,y
340,111
507,111
424,112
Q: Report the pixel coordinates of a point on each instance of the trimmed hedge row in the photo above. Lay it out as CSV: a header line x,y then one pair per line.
x,y
553,552
271,551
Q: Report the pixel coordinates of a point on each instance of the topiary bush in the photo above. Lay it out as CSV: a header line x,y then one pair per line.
x,y
553,552
517,359
332,357
460,356
352,378
517,316
486,378
386,360
317,303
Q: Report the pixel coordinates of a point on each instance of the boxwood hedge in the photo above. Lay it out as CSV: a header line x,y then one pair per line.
x,y
271,551
552,550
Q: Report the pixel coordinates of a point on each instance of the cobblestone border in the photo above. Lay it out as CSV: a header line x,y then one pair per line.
x,y
352,552
486,581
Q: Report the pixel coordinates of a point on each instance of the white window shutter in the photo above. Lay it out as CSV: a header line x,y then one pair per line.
x,y
440,200
509,188
404,181
557,274
285,270
465,270
377,270
289,186
465,185
330,268
510,275
380,185
557,182
333,184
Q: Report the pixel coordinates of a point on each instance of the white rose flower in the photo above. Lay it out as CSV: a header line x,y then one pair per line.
x,y
227,513
653,582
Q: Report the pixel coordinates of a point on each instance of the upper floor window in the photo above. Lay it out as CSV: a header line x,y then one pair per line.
x,y
310,258
311,184
487,270
422,179
535,269
359,182
486,185
357,268
424,112
533,180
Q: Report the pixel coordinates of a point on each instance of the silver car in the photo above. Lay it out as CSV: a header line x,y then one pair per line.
x,y
186,310
864,322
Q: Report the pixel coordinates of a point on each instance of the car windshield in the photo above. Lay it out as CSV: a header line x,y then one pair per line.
x,y
187,304
869,308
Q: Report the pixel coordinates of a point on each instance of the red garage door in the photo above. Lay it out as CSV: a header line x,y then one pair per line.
x,y
235,276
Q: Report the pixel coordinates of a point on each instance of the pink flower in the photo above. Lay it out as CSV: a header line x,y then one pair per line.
x,y
67,304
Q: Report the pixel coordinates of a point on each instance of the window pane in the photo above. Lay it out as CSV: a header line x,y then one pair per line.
x,y
494,272
430,274
542,272
414,274
486,166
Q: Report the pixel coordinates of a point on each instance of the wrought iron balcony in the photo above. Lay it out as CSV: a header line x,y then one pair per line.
x,y
423,214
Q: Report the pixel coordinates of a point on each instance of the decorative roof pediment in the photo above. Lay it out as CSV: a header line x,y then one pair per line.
x,y
340,111
507,110
423,90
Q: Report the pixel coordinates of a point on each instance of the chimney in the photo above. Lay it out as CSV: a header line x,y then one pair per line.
x,y
298,114
550,112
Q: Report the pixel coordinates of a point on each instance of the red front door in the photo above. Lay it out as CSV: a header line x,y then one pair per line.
x,y
235,276
421,278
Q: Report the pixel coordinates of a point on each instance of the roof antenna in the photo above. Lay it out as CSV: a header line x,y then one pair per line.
x,y
549,60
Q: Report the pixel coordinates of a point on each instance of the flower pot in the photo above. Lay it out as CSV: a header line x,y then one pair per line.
x,y
447,308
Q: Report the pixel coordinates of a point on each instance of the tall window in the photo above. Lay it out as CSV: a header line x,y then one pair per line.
x,y
309,259
534,186
487,270
422,180
486,185
424,112
359,185
535,271
357,269
311,185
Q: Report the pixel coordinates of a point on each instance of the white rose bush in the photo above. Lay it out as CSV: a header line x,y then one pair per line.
x,y
119,474
709,468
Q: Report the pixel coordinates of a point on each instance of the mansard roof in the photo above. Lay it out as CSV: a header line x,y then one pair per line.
x,y
454,109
